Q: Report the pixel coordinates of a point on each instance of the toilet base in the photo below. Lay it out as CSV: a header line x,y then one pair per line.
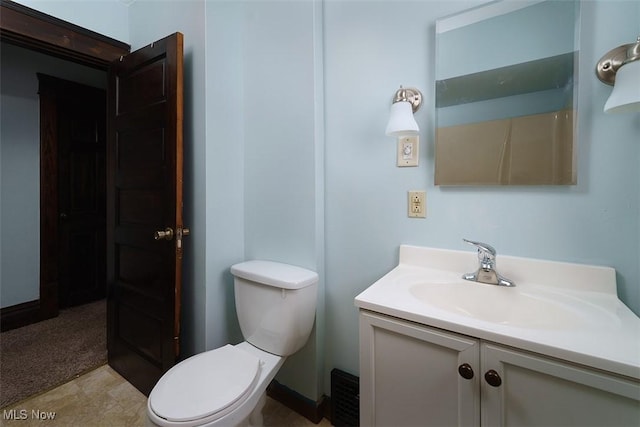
x,y
255,419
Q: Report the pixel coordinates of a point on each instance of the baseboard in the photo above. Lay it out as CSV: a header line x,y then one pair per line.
x,y
313,411
19,315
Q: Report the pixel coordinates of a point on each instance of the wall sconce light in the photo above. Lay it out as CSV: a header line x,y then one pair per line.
x,y
401,122
403,126
620,67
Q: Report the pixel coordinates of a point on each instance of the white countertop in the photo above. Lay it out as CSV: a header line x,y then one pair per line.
x,y
591,326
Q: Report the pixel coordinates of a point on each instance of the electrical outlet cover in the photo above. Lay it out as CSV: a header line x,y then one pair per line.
x,y
417,204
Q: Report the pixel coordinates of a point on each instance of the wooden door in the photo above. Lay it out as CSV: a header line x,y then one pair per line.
x,y
144,196
81,194
72,194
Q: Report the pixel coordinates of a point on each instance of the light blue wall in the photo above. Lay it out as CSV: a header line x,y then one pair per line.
x,y
279,138
283,161
224,166
367,56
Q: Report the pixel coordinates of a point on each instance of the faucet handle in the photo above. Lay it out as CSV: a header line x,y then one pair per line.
x,y
485,252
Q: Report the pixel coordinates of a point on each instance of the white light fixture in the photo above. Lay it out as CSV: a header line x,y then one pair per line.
x,y
620,67
403,126
401,122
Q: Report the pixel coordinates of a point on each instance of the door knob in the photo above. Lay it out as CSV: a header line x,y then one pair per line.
x,y
167,234
493,378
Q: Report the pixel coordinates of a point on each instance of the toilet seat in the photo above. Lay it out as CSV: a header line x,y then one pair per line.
x,y
205,387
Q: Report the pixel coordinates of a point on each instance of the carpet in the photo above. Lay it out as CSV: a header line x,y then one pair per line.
x,y
44,355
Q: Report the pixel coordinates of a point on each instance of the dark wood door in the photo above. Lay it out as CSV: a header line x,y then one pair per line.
x,y
73,175
144,197
81,195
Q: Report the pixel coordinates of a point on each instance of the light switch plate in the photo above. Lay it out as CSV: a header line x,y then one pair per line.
x,y
408,147
417,207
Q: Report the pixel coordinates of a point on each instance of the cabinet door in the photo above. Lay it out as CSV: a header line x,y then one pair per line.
x,y
537,391
409,375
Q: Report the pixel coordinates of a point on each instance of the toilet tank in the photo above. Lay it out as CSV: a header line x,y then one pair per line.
x,y
275,304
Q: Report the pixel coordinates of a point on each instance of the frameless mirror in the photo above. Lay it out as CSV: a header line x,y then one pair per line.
x,y
506,94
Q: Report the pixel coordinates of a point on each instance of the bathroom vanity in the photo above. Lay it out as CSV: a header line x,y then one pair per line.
x,y
559,348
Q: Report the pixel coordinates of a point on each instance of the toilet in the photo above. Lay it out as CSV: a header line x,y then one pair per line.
x,y
276,306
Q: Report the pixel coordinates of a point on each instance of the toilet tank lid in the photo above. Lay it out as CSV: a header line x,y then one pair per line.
x,y
275,274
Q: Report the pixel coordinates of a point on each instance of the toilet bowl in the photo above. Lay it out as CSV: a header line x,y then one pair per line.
x,y
196,392
227,386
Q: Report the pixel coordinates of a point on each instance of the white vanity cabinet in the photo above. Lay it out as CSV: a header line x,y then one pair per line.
x,y
415,375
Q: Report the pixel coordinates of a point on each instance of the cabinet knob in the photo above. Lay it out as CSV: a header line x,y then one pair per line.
x,y
492,378
466,371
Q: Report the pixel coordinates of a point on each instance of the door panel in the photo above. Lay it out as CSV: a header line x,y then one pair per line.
x,y
142,88
144,162
82,204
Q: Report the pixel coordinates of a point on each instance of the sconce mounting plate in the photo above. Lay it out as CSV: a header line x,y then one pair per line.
x,y
609,64
409,94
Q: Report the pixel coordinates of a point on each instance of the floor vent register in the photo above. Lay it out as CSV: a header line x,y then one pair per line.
x,y
345,399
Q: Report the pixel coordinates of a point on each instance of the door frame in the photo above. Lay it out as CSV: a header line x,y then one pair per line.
x,y
34,30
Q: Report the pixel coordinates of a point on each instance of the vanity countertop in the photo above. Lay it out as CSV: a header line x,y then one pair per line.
x,y
567,311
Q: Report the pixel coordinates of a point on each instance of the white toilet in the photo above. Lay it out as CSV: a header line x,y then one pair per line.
x,y
276,306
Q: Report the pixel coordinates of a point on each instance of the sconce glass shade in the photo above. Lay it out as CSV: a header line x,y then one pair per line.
x,y
401,121
625,96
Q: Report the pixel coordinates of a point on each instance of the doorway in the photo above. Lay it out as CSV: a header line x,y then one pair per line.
x,y
45,353
30,217
40,33
60,125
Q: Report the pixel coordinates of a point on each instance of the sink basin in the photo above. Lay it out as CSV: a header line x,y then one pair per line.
x,y
567,311
496,304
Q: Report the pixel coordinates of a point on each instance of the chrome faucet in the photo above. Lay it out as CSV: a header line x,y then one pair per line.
x,y
486,273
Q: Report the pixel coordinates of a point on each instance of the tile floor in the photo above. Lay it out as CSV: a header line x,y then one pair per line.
x,y
103,398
